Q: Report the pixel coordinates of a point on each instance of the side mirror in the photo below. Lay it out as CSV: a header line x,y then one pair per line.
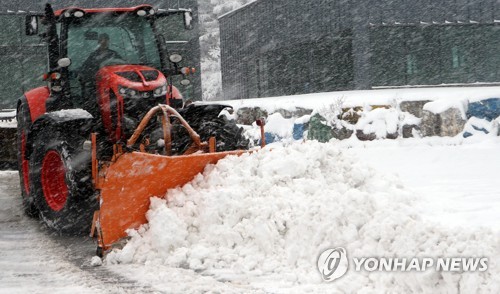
x,y
188,20
64,62
31,23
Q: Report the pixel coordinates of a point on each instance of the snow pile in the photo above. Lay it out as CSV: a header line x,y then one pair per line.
x,y
379,121
478,126
263,219
280,126
71,113
442,105
316,101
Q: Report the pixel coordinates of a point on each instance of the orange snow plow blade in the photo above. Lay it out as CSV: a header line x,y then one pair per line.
x,y
134,178
130,179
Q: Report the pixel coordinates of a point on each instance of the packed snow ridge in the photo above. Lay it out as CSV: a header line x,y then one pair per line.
x,y
263,218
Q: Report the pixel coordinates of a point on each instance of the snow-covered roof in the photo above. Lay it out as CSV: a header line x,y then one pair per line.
x,y
245,6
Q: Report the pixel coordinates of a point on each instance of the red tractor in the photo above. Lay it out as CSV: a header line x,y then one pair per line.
x,y
109,73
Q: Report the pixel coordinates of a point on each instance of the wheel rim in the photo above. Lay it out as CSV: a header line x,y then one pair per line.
x,y
25,164
54,185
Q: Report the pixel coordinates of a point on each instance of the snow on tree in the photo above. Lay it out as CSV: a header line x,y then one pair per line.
x,y
210,44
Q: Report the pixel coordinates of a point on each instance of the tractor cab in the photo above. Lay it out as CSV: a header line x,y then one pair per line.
x,y
109,62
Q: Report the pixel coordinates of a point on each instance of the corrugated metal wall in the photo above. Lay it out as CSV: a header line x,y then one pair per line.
x,y
281,47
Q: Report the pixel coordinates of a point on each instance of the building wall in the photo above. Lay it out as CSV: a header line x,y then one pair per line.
x,y
23,58
280,47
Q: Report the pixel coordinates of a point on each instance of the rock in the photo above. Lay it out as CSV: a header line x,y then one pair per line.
x,y
284,113
351,114
448,123
407,130
378,123
430,124
372,136
342,133
413,107
299,112
248,115
365,137
392,136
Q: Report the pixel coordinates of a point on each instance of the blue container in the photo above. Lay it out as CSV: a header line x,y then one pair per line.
x,y
271,138
298,131
485,109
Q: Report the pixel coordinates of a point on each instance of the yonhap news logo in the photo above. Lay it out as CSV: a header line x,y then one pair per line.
x,y
333,264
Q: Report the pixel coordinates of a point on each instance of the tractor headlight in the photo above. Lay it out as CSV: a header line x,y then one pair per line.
x,y
145,11
134,94
73,13
160,91
79,13
175,58
129,93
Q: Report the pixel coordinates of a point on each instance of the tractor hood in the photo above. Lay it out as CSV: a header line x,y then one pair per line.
x,y
139,77
126,93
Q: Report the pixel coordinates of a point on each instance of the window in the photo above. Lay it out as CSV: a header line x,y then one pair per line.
x,y
131,37
435,54
457,56
411,64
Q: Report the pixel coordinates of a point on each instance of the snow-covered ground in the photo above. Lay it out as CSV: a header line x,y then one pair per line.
x,y
258,222
29,261
455,178
318,101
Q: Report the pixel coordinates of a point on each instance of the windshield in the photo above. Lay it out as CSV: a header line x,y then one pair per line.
x,y
130,38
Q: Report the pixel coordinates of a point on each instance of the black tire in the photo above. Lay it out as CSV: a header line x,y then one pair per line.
x,y
228,135
99,252
61,181
23,124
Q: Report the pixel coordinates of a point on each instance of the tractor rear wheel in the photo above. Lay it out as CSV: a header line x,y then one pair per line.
x,y
60,175
228,136
23,123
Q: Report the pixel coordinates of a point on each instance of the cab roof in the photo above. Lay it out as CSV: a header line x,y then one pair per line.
x,y
59,12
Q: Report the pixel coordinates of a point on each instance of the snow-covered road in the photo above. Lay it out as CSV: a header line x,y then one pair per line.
x,y
30,262
34,261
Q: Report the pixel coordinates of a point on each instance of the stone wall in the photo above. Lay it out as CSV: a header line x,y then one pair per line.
x,y
406,119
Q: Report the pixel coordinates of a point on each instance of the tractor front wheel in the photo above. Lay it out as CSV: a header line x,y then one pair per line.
x,y
23,125
60,176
